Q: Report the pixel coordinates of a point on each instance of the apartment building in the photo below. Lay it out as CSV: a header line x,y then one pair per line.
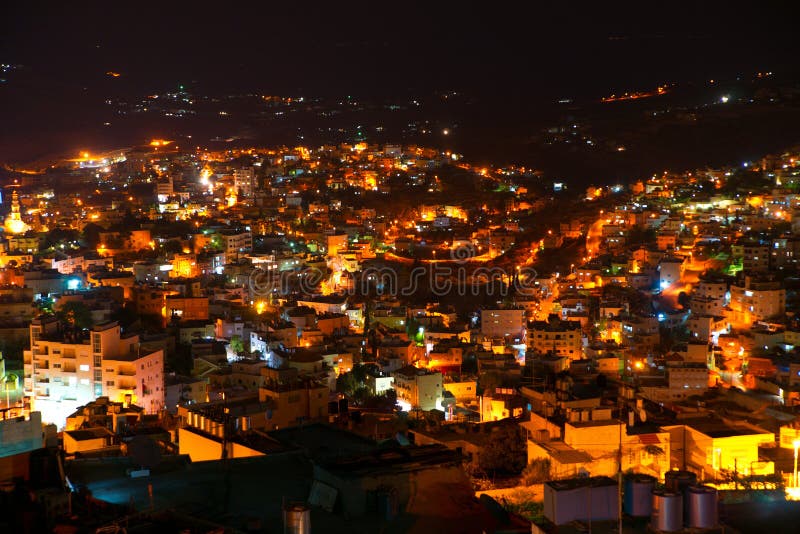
x,y
66,369
418,388
756,300
558,336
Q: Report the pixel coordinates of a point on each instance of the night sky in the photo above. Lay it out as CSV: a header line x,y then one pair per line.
x,y
357,47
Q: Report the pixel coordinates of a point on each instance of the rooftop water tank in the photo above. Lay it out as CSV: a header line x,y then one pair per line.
x,y
701,502
639,495
296,519
667,511
678,481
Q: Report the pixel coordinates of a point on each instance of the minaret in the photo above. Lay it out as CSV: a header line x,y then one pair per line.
x,y
14,223
15,206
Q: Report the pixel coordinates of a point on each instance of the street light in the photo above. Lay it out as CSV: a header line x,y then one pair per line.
x,y
796,444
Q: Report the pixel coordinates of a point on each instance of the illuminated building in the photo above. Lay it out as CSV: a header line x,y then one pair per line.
x,y
756,300
499,404
335,243
235,244
244,181
206,432
418,388
445,358
164,188
592,441
394,349
755,256
24,243
106,413
86,439
670,271
184,266
292,398
66,369
563,338
708,446
14,223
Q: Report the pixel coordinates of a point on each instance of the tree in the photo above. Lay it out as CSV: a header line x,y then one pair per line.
x,y
125,316
76,314
237,345
91,235
346,384
536,472
172,247
385,402
58,236
505,451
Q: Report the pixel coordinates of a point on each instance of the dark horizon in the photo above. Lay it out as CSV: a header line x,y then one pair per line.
x,y
510,66
542,50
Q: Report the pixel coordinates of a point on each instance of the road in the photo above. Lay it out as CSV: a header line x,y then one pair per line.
x,y
594,238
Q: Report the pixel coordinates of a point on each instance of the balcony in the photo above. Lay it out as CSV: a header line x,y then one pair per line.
x,y
126,384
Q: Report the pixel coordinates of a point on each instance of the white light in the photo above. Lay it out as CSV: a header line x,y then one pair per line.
x,y
724,99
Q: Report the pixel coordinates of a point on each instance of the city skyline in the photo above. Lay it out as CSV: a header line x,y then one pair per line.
x,y
399,268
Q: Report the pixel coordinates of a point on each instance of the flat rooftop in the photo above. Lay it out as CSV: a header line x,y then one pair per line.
x,y
716,428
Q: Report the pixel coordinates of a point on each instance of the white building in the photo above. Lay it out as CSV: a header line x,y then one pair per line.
x,y
236,244
670,271
66,369
418,388
756,300
244,181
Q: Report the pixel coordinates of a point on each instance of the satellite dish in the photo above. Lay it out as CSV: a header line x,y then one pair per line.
x,y
144,451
